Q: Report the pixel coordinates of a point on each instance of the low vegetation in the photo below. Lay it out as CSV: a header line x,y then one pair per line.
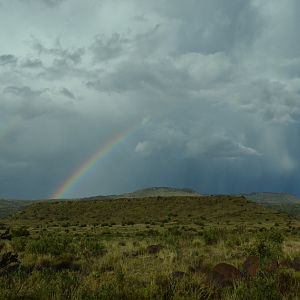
x,y
149,248
9,207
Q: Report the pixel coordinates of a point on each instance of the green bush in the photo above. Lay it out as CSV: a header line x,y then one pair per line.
x,y
212,236
19,244
50,244
18,232
267,245
260,288
90,247
7,259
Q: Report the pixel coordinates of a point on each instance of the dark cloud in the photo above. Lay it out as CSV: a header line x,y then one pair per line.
x,y
67,93
8,59
69,55
32,63
29,103
23,91
49,3
105,49
210,88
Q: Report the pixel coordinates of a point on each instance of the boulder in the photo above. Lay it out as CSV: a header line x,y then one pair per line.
x,y
251,266
223,275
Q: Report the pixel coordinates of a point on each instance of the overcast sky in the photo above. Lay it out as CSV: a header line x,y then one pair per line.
x,y
212,88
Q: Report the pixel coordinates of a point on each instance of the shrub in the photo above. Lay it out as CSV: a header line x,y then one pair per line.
x,y
260,288
7,259
92,248
267,245
19,232
19,244
50,244
58,263
5,235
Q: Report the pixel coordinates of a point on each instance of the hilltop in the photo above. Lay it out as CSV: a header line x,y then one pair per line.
x,y
159,191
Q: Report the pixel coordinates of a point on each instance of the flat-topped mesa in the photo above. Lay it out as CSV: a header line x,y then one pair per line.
x,y
160,191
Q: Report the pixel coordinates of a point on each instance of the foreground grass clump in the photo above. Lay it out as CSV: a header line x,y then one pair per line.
x,y
128,256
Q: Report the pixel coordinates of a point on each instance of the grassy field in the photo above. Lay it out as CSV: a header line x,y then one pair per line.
x,y
147,248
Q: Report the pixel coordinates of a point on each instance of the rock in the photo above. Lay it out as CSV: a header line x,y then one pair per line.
x,y
153,249
223,275
295,264
177,275
251,265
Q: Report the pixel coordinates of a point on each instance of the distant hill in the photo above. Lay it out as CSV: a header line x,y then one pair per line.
x,y
9,207
159,191
281,202
206,210
147,192
273,198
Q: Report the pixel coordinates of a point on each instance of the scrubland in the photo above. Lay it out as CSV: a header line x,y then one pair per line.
x,y
148,248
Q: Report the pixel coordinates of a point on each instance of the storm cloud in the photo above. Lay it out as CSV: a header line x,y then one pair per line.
x,y
211,88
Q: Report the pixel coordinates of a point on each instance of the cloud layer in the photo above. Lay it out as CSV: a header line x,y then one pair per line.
x,y
212,88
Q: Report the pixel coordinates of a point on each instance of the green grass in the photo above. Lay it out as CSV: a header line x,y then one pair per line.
x,y
182,210
99,249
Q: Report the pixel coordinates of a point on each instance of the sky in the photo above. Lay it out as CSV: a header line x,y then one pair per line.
x,y
208,89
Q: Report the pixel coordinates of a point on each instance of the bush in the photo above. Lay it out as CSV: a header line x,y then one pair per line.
x,y
18,232
50,244
267,246
92,248
5,235
19,244
7,259
57,263
260,288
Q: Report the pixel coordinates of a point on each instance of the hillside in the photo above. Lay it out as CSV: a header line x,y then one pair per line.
x,y
273,198
149,248
9,207
281,202
183,210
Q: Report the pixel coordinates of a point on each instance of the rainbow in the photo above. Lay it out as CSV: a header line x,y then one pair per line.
x,y
84,168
